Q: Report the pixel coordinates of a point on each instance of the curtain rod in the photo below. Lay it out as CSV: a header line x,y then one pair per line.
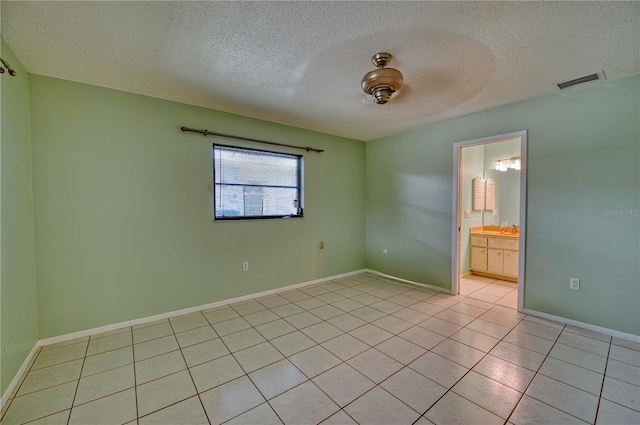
x,y
228,136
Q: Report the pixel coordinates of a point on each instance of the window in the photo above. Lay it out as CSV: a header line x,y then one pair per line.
x,y
251,183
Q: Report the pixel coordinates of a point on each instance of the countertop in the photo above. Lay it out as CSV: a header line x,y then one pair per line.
x,y
490,231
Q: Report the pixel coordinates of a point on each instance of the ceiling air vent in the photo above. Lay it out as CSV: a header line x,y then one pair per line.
x,y
586,79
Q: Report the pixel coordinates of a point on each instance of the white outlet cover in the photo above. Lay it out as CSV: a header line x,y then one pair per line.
x,y
574,283
467,214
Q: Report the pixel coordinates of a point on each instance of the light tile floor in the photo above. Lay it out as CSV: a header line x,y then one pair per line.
x,y
495,291
358,350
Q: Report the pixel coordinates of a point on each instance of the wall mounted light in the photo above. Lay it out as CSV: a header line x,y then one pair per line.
x,y
382,82
514,163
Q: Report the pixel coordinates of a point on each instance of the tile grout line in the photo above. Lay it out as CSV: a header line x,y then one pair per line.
x,y
135,379
284,358
320,345
75,394
604,377
536,374
375,385
17,390
467,372
243,369
189,370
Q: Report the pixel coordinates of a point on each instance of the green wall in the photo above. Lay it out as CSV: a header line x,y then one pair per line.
x,y
18,313
583,166
123,212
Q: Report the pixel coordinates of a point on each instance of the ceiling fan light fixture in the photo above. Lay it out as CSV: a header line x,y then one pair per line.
x,y
381,83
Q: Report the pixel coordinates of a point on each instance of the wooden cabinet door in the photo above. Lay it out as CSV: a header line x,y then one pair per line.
x,y
495,261
478,258
511,263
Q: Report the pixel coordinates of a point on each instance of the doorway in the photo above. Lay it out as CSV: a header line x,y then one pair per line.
x,y
489,223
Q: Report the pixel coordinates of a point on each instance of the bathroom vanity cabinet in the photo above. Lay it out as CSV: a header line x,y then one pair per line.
x,y
494,254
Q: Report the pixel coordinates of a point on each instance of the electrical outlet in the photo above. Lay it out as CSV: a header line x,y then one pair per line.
x,y
321,244
467,214
245,266
574,283
384,251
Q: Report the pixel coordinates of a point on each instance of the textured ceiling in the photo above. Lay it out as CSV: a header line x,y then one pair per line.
x,y
300,63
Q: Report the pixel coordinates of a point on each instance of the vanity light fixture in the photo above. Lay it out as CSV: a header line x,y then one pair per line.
x,y
381,83
514,163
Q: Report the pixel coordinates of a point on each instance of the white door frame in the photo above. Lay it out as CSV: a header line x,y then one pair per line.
x,y
455,229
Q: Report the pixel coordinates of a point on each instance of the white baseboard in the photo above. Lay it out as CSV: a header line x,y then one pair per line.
x,y
424,285
93,331
16,379
583,325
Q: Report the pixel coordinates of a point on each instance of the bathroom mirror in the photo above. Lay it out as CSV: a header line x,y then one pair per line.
x,y
507,197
